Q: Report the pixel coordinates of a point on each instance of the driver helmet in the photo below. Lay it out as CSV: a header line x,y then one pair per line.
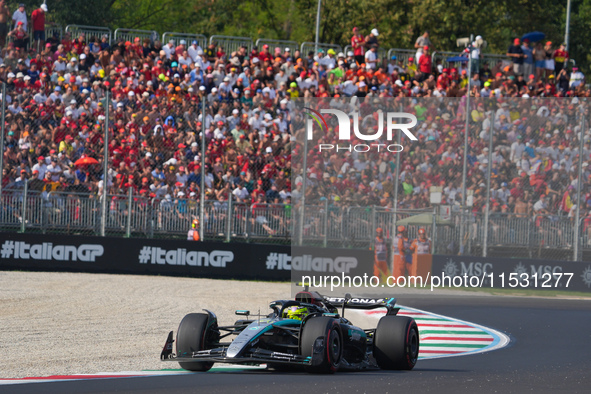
x,y
296,312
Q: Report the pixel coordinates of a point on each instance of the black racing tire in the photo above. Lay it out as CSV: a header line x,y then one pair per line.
x,y
190,337
330,329
396,343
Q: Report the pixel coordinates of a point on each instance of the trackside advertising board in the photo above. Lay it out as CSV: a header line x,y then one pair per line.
x,y
171,257
515,273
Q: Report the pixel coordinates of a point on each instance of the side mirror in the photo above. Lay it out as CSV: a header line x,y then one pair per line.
x,y
242,313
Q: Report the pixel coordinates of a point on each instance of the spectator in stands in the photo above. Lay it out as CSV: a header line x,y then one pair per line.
x,y
20,16
4,28
423,41
38,19
358,45
528,59
371,58
425,64
20,35
371,39
560,56
517,56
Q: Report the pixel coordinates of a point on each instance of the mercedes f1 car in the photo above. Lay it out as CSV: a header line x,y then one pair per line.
x,y
306,333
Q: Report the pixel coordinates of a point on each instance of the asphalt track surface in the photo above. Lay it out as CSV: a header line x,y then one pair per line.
x,y
550,351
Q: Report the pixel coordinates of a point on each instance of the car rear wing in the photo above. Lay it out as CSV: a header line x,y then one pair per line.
x,y
361,302
313,297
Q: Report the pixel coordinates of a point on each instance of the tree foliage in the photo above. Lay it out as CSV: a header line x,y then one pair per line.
x,y
399,22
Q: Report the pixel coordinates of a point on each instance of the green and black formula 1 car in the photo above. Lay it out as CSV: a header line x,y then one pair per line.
x,y
308,333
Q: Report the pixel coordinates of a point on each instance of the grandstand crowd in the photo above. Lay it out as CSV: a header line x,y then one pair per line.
x,y
56,105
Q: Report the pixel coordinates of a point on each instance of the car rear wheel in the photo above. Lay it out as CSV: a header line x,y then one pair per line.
x,y
396,343
322,340
191,337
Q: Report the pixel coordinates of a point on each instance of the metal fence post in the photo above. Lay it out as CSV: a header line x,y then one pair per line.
x,y
579,188
151,229
395,202
247,227
304,182
24,208
373,226
129,207
488,176
229,218
325,224
434,231
202,185
465,164
105,165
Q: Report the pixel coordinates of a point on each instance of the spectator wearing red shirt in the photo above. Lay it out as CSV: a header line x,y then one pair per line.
x,y
425,62
264,55
443,80
38,19
560,57
358,44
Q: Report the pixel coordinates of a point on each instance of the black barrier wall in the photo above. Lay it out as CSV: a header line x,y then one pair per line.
x,y
138,256
168,257
515,273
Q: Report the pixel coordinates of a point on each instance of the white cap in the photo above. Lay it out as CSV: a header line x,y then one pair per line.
x,y
375,32
183,42
131,94
190,90
255,60
82,56
350,53
68,113
197,65
235,111
200,52
27,78
43,7
362,84
202,88
20,75
269,149
146,94
287,50
74,59
176,76
268,116
193,144
180,194
192,194
72,101
119,105
214,90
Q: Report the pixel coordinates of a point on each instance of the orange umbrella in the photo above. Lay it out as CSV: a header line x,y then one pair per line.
x,y
85,161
